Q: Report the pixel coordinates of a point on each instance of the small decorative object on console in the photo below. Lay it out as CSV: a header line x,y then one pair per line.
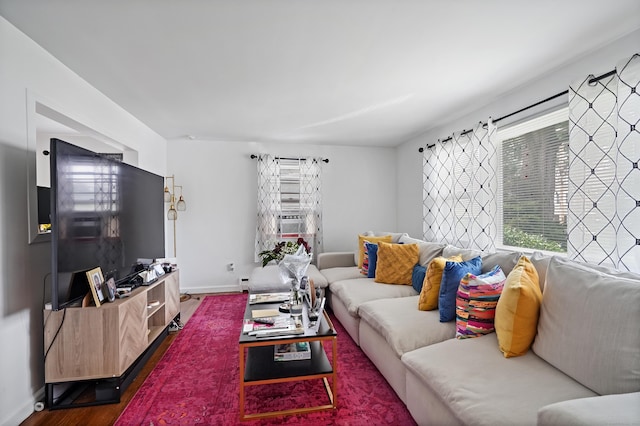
x,y
95,280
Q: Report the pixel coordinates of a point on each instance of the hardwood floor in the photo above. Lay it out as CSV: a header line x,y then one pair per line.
x,y
107,414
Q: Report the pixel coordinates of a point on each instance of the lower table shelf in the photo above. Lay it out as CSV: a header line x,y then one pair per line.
x,y
260,365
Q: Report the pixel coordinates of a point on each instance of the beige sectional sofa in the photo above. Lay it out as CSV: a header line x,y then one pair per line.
x,y
583,366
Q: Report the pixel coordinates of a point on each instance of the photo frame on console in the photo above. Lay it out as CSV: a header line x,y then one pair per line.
x,y
109,288
95,280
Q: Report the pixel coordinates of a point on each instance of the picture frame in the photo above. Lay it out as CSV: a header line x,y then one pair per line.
x,y
110,289
95,280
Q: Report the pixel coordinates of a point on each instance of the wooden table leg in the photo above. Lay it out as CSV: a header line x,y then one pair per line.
x,y
241,358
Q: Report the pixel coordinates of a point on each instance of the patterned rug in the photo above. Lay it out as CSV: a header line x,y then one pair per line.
x,y
196,381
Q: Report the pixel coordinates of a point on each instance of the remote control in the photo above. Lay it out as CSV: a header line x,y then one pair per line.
x,y
267,320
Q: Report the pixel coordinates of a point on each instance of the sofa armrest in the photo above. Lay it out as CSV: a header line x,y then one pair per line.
x,y
619,409
335,259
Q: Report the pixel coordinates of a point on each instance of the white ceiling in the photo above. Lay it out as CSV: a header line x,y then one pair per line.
x,y
353,72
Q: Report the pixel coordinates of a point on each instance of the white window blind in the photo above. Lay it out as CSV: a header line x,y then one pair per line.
x,y
534,166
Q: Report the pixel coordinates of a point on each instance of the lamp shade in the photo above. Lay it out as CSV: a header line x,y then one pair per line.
x,y
167,195
181,205
172,214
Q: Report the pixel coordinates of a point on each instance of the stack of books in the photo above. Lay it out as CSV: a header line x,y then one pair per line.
x,y
292,351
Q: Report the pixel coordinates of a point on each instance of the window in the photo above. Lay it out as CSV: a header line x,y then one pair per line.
x,y
289,202
533,183
294,208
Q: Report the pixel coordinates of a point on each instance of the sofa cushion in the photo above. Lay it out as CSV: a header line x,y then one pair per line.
x,y
588,326
607,410
428,251
541,263
476,302
481,387
451,276
395,263
403,326
371,239
333,275
417,278
467,254
431,286
507,260
355,292
518,309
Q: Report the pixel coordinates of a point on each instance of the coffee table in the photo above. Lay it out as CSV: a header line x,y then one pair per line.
x,y
257,366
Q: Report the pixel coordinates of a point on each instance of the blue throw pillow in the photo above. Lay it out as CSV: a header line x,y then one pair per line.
x,y
417,278
372,252
451,276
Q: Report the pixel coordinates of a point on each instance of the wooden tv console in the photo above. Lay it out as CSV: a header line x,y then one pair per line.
x,y
95,352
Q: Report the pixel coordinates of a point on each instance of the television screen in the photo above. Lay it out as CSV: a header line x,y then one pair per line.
x,y
104,213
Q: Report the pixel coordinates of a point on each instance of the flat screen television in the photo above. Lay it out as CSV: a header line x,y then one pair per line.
x,y
104,213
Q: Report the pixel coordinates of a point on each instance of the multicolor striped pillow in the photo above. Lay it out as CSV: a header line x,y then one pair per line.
x,y
476,302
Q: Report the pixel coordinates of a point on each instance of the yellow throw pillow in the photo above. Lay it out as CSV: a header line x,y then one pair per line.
x,y
371,239
518,308
431,285
395,263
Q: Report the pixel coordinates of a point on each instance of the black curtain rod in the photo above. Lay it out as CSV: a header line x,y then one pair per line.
x,y
550,98
325,160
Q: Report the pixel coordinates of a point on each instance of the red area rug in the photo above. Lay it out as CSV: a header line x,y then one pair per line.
x,y
196,381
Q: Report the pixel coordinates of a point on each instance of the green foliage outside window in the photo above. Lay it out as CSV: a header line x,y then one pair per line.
x,y
517,238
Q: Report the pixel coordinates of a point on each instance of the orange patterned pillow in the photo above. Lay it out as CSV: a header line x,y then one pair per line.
x,y
395,263
431,286
518,309
371,239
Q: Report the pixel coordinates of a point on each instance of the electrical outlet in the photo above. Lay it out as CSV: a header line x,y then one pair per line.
x,y
244,283
231,267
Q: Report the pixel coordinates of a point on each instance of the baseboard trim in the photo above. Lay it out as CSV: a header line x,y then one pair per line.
x,y
24,410
235,288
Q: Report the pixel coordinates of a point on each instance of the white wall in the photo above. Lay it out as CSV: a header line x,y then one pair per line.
x,y
219,180
28,73
409,160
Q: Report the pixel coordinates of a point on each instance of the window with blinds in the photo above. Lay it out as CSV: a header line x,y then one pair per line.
x,y
291,217
534,178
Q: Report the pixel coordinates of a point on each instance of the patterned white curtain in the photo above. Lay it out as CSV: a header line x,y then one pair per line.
x,y
289,203
603,221
460,189
311,203
269,203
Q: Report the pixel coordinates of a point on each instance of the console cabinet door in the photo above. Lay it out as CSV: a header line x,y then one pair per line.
x,y
172,296
133,330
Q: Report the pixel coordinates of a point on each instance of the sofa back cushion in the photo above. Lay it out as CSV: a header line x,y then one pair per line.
x,y
467,254
428,251
588,326
395,263
431,287
541,263
507,260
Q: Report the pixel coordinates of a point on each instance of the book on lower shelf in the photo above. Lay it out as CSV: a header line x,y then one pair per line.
x,y
292,351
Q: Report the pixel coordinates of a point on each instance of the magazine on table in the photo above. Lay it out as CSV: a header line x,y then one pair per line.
x,y
292,351
279,322
268,297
